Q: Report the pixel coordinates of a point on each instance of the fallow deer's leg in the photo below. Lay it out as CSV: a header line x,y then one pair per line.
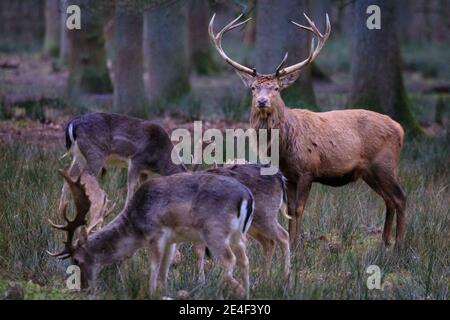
x,y
75,169
94,167
282,238
165,264
156,255
199,249
216,243
268,249
134,172
303,187
238,247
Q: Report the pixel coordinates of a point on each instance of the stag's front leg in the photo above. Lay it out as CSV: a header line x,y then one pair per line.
x,y
303,187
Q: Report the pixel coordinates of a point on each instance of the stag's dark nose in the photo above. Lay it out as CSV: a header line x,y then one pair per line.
x,y
262,102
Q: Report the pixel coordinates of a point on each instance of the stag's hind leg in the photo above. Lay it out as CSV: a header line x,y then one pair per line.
x,y
384,181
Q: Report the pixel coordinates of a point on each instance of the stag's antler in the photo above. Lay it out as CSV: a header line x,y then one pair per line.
x,y
82,205
217,40
314,51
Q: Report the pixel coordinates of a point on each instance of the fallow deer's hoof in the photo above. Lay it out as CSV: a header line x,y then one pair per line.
x,y
183,295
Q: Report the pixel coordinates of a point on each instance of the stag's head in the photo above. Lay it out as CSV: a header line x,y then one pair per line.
x,y
266,88
76,229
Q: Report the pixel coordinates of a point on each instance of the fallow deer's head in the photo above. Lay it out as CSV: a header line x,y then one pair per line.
x,y
266,88
77,231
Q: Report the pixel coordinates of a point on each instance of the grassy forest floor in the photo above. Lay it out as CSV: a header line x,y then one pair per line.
x,y
342,226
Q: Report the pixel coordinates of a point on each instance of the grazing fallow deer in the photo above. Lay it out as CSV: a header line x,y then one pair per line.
x,y
332,148
97,139
269,193
185,207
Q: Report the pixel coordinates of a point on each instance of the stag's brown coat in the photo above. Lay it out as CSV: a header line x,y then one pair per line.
x,y
332,148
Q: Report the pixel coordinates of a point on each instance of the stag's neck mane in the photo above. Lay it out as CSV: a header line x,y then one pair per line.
x,y
274,120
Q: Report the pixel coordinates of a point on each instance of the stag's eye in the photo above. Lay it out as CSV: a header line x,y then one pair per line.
x,y
253,88
276,88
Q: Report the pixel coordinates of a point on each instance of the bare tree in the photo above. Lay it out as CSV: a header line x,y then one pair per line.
x,y
129,96
166,51
200,54
275,36
377,82
64,40
87,59
52,28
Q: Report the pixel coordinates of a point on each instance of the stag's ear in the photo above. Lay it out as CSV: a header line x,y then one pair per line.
x,y
246,78
286,80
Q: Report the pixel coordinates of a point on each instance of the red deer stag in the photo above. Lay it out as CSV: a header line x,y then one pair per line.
x,y
332,148
98,139
185,207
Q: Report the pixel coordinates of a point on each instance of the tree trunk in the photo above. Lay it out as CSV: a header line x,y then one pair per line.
x,y
275,36
129,97
377,82
52,28
64,36
88,72
166,52
200,53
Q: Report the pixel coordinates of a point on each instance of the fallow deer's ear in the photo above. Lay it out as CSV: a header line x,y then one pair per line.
x,y
83,235
286,80
246,78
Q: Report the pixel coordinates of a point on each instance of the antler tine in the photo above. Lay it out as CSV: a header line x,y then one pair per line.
x,y
82,205
322,38
281,63
217,40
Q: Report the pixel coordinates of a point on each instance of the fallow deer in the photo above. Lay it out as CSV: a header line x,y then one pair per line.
x,y
97,139
185,207
332,148
269,193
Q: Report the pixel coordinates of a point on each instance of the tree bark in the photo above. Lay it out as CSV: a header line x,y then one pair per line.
x,y
376,70
52,28
200,53
88,72
129,96
64,36
166,52
275,36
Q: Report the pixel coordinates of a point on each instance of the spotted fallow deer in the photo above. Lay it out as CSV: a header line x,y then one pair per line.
x,y
98,139
184,207
269,192
332,148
